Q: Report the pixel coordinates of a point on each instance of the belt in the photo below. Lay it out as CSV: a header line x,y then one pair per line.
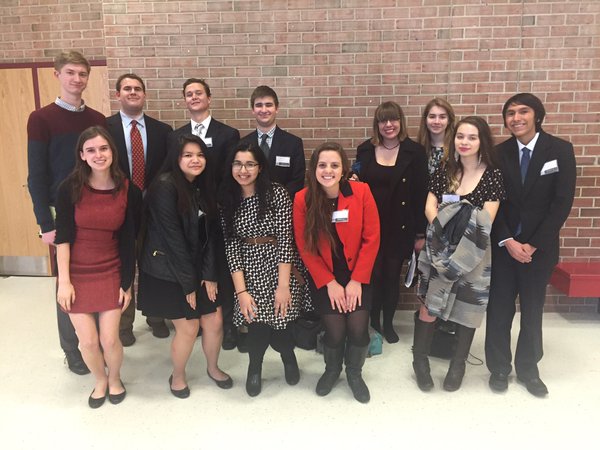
x,y
261,240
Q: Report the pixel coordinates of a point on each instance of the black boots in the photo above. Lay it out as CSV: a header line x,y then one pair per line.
x,y
290,368
334,357
421,347
456,371
355,359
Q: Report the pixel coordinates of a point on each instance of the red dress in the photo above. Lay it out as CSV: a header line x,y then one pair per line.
x,y
95,264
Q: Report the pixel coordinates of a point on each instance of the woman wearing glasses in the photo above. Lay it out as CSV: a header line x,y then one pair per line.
x,y
256,217
395,168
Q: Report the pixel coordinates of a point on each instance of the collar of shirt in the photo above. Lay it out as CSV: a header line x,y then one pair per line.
x,y
205,123
530,145
64,105
269,134
127,120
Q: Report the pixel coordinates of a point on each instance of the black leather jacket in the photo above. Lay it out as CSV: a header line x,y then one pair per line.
x,y
171,249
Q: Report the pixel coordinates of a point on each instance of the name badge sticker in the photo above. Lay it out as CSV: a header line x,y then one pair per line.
x,y
450,198
340,216
208,141
549,167
282,161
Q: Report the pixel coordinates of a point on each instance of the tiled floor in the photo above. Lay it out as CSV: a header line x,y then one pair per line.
x,y
43,405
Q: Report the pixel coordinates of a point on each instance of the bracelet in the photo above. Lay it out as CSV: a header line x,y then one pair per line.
x,y
241,292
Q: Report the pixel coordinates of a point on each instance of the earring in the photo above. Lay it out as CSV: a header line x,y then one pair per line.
x,y
479,160
456,156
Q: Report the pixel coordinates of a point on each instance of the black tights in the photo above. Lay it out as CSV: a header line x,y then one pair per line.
x,y
261,335
354,326
386,289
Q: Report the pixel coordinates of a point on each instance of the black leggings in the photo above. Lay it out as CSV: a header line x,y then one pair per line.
x,y
385,284
354,326
261,335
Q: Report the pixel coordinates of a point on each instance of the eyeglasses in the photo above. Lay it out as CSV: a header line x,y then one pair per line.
x,y
249,165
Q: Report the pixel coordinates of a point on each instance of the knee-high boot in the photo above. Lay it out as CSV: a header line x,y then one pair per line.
x,y
334,358
258,338
355,359
421,347
456,371
283,342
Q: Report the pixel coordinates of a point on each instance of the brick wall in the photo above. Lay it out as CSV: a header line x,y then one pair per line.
x,y
333,61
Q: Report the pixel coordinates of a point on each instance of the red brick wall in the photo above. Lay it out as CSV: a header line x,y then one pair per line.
x,y
333,61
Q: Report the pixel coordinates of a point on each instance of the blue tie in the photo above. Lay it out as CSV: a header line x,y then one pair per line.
x,y
525,163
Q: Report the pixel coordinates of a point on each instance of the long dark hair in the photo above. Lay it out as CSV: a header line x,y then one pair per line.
x,y
424,137
454,167
318,206
81,172
230,192
202,189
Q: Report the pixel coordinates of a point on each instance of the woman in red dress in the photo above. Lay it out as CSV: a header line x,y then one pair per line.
x,y
96,213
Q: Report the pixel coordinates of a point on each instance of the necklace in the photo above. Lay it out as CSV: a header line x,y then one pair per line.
x,y
390,148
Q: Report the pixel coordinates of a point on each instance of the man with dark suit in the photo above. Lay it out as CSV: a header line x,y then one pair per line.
x,y
142,145
284,151
539,176
219,139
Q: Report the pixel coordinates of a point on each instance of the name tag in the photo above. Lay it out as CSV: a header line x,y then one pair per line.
x,y
282,161
340,216
450,198
549,167
208,141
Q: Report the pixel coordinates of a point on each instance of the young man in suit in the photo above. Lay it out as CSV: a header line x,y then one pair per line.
x,y
284,151
219,139
52,134
142,146
539,176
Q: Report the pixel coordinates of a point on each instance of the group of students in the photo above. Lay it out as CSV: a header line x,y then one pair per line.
x,y
240,217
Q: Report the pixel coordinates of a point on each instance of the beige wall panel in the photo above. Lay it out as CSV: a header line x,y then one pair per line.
x,y
96,94
18,229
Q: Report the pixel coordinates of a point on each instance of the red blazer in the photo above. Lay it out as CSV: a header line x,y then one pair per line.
x,y
360,235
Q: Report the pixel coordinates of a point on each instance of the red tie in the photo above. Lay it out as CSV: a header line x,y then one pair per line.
x,y
138,172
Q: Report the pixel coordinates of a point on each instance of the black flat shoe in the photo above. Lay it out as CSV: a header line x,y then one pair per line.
x,y
95,403
223,384
179,393
127,338
117,398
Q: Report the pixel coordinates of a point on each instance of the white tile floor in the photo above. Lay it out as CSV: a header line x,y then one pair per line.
x,y
43,405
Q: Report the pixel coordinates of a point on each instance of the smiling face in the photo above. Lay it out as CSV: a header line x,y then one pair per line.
x,y
131,96
329,171
466,140
520,121
264,111
389,129
192,161
96,152
73,79
196,98
437,121
245,169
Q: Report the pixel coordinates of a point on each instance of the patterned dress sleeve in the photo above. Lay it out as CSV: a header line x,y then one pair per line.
x,y
437,183
233,248
283,224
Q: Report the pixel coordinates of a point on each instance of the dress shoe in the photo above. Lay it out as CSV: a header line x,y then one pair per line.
x,y
291,370
534,385
96,402
229,338
159,329
498,382
75,363
227,383
390,334
127,338
117,398
254,382
179,393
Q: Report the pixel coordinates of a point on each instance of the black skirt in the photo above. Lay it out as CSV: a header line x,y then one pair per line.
x,y
161,298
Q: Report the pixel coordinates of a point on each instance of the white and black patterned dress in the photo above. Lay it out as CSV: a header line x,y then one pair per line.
x,y
259,261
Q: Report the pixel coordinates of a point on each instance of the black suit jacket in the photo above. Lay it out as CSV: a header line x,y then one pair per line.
x,y
157,134
544,202
284,144
405,203
224,138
